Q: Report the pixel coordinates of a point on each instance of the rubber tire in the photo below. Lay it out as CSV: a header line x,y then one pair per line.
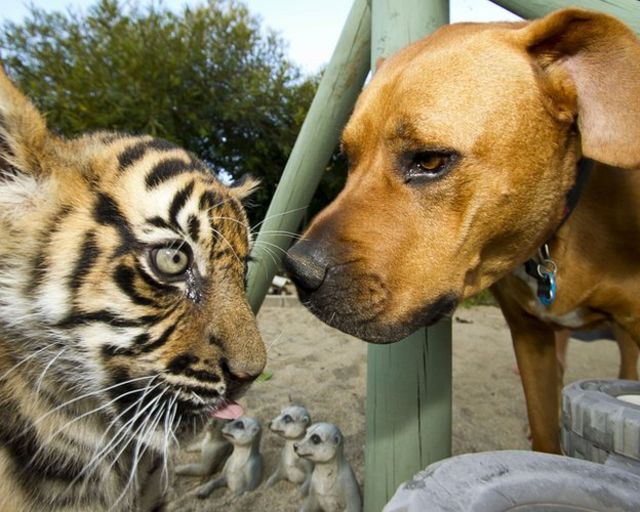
x,y
519,481
598,427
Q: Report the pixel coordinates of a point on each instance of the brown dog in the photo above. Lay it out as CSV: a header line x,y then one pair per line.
x,y
463,151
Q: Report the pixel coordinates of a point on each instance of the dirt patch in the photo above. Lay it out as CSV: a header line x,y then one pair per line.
x,y
325,370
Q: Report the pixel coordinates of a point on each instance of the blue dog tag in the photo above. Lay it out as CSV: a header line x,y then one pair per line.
x,y
547,288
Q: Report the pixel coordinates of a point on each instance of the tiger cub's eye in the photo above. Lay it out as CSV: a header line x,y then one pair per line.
x,y
169,261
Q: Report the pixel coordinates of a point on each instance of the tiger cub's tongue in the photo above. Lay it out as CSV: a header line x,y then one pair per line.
x,y
229,411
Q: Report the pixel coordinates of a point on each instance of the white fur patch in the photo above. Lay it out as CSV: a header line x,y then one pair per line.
x,y
571,320
20,193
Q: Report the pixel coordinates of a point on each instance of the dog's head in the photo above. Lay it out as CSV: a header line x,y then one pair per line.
x,y
461,152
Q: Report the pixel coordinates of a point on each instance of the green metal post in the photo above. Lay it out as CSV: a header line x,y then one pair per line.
x,y
337,92
408,405
626,10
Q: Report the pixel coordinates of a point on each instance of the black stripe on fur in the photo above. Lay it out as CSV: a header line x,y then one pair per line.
x,y
103,317
107,213
89,254
109,351
40,263
136,152
124,277
159,222
194,227
167,169
209,199
164,337
181,365
178,202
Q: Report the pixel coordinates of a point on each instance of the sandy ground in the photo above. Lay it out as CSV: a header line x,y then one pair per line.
x,y
325,370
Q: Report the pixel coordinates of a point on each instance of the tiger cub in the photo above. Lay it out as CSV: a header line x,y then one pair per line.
x,y
123,320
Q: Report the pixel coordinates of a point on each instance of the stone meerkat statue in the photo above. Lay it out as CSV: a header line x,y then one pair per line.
x,y
214,451
292,424
333,485
243,470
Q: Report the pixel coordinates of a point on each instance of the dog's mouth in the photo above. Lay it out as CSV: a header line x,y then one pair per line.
x,y
369,322
350,297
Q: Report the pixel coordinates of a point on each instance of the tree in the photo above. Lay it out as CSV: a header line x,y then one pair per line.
x,y
207,78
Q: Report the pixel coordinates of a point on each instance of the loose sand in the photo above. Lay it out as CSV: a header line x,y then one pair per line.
x,y
325,370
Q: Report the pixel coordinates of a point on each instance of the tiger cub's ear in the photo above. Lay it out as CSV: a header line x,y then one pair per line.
x,y
23,132
244,186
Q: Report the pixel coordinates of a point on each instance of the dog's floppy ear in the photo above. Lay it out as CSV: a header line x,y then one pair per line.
x,y
589,66
23,132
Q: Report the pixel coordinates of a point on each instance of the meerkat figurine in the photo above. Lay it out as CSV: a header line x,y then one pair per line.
x,y
292,424
333,487
214,451
243,470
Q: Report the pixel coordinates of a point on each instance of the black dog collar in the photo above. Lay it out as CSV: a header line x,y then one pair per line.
x,y
542,268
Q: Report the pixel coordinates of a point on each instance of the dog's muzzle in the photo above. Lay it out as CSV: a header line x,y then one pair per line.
x,y
307,266
351,299
330,290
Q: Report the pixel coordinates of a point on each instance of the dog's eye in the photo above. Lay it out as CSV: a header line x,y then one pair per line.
x,y
430,162
287,419
315,439
430,165
170,262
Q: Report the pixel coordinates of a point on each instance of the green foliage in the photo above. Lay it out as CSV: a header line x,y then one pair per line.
x,y
208,78
484,298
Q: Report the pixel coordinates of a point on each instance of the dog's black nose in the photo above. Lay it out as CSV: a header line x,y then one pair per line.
x,y
306,265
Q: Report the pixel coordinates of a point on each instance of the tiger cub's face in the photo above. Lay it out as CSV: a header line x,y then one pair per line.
x,y
124,259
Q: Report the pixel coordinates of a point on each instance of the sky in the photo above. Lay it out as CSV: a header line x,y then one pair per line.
x,y
310,27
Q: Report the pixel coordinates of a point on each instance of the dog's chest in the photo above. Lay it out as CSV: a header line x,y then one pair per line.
x,y
571,319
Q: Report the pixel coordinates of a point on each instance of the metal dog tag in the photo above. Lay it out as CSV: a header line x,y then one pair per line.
x,y
547,287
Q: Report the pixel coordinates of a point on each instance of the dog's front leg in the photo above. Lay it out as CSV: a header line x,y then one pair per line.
x,y
536,357
534,345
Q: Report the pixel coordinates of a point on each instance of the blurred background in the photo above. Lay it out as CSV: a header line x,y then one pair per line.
x,y
229,80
